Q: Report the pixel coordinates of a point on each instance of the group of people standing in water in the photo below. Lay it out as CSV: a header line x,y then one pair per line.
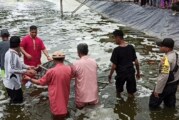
x,y
84,71
57,79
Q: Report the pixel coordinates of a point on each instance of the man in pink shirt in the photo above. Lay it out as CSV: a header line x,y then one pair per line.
x,y
85,72
58,81
31,46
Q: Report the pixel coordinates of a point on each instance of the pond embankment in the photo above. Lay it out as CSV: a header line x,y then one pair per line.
x,y
153,21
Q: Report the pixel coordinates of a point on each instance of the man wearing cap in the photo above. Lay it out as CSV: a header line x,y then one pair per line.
x,y
122,60
85,72
167,80
4,46
58,81
14,69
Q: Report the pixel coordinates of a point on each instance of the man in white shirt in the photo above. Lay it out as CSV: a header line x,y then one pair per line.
x,y
14,69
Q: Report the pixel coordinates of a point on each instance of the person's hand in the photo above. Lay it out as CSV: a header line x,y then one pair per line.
x,y
162,60
26,78
156,95
138,76
29,57
30,73
49,58
38,68
31,67
110,78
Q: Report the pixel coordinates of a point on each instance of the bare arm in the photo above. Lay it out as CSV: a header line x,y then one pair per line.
x,y
137,68
73,71
46,54
42,81
35,81
111,72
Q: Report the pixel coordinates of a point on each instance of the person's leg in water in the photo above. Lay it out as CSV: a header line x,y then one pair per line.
x,y
59,117
131,85
167,4
120,81
81,105
95,102
16,96
170,99
168,96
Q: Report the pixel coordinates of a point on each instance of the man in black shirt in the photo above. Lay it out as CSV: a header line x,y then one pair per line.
x,y
122,60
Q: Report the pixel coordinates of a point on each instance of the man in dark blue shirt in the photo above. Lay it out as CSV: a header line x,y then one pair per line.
x,y
122,60
4,46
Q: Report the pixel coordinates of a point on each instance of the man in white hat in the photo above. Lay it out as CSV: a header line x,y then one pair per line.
x,y
58,81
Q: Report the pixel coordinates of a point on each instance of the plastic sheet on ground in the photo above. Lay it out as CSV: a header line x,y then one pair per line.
x,y
151,20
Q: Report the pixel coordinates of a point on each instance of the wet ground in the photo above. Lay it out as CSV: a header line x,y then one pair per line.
x,y
64,34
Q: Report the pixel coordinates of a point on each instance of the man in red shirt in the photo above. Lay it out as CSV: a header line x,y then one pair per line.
x,y
32,46
58,81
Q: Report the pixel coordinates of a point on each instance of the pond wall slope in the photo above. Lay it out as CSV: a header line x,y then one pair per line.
x,y
153,21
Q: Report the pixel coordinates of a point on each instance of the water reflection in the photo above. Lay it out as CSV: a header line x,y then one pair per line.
x,y
126,109
165,113
16,113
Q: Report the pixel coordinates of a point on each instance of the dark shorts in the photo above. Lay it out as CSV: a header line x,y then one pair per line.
x,y
130,83
168,96
15,95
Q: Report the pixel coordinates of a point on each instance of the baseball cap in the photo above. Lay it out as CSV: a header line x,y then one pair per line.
x,y
167,42
58,54
4,32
